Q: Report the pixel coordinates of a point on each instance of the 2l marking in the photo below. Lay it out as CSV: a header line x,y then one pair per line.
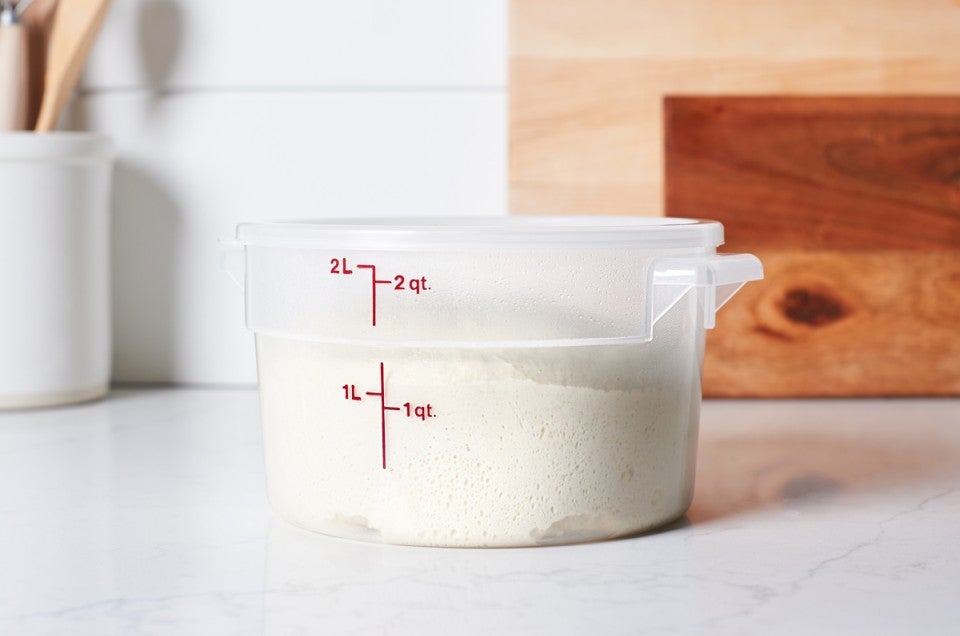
x,y
400,282
339,266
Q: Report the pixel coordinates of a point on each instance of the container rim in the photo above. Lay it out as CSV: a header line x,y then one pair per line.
x,y
55,146
440,233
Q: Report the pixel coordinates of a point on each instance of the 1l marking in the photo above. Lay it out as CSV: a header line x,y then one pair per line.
x,y
409,409
399,282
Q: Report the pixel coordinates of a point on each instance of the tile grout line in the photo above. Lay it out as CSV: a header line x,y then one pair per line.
x,y
320,89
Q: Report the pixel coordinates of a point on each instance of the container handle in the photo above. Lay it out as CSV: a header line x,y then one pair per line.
x,y
721,275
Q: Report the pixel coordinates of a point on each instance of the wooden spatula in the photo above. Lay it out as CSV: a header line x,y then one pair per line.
x,y
75,27
39,21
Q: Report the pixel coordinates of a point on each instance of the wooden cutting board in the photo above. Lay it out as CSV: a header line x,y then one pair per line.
x,y
853,204
588,77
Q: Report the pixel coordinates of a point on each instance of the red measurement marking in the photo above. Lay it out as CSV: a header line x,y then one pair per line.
x,y
374,281
337,263
413,411
383,412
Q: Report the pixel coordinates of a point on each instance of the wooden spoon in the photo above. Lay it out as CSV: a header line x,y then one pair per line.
x,y
13,67
75,27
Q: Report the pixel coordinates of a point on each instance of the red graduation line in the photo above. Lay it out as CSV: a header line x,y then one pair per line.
x,y
374,281
383,417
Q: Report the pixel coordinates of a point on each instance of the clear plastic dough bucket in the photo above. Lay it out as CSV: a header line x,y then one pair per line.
x,y
482,382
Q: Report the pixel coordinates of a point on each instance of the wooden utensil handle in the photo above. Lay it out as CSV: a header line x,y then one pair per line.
x,y
75,28
13,77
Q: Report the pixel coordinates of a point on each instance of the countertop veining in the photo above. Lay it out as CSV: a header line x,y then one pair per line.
x,y
146,513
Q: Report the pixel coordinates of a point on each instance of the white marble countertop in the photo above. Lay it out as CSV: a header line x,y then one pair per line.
x,y
146,513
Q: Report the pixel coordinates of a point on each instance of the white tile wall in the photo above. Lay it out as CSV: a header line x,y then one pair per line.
x,y
233,110
295,43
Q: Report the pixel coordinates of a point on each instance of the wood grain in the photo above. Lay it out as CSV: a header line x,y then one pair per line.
x,y
76,24
820,173
854,207
587,79
841,323
39,21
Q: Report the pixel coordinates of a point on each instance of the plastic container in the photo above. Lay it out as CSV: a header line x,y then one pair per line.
x,y
482,382
54,268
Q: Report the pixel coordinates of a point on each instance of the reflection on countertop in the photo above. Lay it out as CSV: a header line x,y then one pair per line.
x,y
793,454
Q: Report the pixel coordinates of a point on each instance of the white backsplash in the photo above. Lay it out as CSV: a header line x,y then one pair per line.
x,y
224,112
